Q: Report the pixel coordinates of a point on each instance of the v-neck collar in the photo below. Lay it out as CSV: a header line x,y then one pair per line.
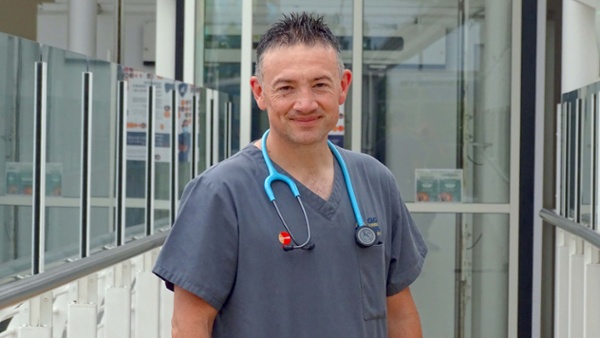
x,y
326,208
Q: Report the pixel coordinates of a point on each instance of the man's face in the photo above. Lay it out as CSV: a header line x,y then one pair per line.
x,y
301,89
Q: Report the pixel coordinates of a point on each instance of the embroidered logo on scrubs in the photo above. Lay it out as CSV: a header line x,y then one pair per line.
x,y
285,238
373,224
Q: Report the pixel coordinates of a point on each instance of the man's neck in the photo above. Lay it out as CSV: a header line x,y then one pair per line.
x,y
312,165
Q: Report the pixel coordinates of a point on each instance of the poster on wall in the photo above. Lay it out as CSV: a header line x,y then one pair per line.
x,y
137,122
336,135
438,185
184,120
19,178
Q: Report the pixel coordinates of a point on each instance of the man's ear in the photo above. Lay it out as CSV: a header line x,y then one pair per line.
x,y
345,85
257,91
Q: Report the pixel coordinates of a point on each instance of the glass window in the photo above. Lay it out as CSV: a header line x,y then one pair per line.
x,y
585,186
17,59
436,92
463,289
63,152
220,33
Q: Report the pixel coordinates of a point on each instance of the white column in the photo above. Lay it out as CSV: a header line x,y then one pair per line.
x,y
592,293
576,288
491,178
357,74
36,316
35,332
166,15
561,289
147,309
166,311
82,26
82,320
245,74
118,312
189,36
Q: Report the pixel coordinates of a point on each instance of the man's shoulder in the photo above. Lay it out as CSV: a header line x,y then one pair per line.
x,y
239,166
362,160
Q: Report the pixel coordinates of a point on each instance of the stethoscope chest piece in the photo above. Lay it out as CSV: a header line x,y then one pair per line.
x,y
365,236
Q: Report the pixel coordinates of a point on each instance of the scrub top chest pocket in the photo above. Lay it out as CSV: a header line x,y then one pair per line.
x,y
372,267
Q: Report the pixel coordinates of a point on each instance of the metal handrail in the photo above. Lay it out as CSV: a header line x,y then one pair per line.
x,y
576,229
18,291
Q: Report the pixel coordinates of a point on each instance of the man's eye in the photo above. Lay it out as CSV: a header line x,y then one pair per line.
x,y
284,88
321,85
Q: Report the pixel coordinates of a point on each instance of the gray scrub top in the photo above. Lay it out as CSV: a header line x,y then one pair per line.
x,y
225,248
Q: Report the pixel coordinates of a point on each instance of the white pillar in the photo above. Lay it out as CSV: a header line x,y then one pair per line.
x,y
82,26
492,178
245,74
166,13
561,289
82,320
118,312
166,311
576,284
592,293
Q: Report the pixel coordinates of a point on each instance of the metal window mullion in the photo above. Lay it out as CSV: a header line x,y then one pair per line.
x,y
563,158
560,161
208,127
150,164
577,169
195,140
568,162
595,144
215,128
357,70
121,161
39,168
229,110
174,167
86,163
246,72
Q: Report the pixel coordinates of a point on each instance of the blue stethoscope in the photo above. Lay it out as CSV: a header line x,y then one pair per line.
x,y
365,235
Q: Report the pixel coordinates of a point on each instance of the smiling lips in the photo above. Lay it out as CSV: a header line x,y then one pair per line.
x,y
305,119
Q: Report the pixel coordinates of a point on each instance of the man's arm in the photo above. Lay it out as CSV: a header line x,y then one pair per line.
x,y
403,318
192,316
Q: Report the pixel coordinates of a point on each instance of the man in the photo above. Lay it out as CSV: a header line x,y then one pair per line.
x,y
335,277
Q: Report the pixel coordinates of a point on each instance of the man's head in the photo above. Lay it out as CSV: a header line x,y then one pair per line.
x,y
300,80
295,29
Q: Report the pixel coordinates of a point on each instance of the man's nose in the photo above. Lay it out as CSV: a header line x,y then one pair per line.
x,y
306,101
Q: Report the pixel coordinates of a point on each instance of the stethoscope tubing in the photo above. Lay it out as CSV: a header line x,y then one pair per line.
x,y
274,175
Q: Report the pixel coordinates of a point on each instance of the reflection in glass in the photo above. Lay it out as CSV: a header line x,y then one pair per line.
x,y
463,289
218,63
17,59
103,176
585,184
63,150
436,92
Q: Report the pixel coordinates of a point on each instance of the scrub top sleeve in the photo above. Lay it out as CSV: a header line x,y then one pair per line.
x,y
200,253
408,247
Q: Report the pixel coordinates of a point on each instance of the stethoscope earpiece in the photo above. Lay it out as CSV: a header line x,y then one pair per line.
x,y
365,235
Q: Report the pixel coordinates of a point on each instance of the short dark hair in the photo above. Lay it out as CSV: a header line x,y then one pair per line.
x,y
294,29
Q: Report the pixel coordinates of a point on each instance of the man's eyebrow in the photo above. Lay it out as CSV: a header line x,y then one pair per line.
x,y
286,81
324,77
281,81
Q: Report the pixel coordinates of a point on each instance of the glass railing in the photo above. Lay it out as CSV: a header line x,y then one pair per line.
x,y
579,156
95,154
